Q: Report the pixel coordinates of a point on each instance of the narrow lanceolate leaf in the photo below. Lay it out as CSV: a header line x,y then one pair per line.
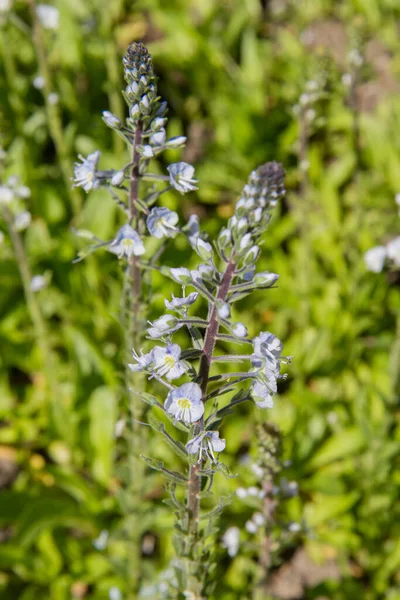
x,y
175,444
158,465
225,500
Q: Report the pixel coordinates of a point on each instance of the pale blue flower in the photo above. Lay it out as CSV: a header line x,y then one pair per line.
x,y
167,361
266,344
127,243
53,98
207,442
38,282
375,258
6,194
193,228
48,16
23,191
100,543
161,222
38,82
230,540
86,173
177,303
22,220
184,403
181,177
143,361
114,593
163,326
263,395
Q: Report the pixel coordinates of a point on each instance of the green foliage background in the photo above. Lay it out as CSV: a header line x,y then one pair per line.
x,y
231,72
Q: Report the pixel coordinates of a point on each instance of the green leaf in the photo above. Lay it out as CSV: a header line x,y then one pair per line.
x,y
345,443
102,412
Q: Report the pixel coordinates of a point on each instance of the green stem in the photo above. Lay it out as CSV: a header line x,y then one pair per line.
x,y
194,486
134,337
39,327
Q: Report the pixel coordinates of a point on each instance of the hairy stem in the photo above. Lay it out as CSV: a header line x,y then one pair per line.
x,y
193,503
134,335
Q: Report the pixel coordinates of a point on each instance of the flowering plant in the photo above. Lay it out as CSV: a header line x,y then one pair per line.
x,y
226,273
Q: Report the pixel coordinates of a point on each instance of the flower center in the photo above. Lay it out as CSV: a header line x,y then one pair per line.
x,y
184,403
127,242
169,361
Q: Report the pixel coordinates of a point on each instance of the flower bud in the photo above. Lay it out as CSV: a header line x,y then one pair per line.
x,y
181,275
265,278
239,330
252,255
225,238
176,142
118,178
111,120
157,123
203,249
135,111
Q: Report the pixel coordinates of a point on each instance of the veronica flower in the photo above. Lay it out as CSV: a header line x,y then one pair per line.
x,y
161,222
375,258
48,16
230,540
177,303
267,344
23,191
184,403
38,282
5,6
38,82
261,391
143,361
127,243
6,194
167,361
207,442
163,326
181,177
22,220
53,98
192,228
86,173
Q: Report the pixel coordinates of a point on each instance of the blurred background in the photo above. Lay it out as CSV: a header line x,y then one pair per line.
x,y
314,85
